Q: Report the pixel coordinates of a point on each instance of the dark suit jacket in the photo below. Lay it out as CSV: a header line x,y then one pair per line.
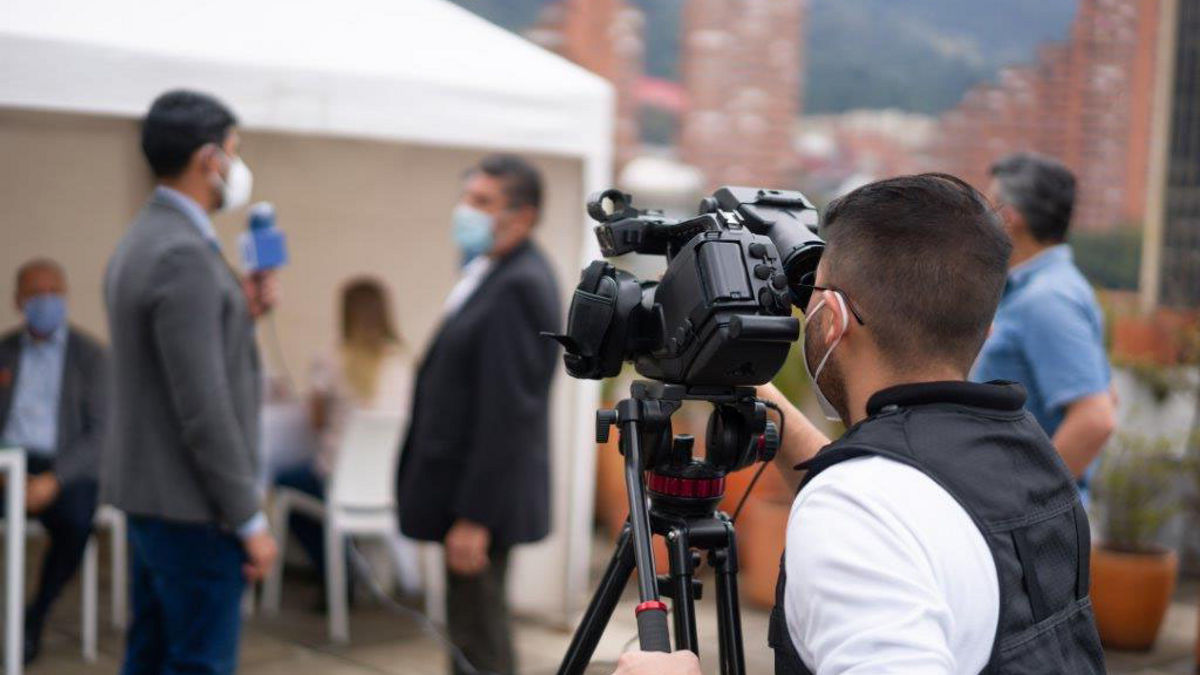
x,y
81,404
478,439
184,442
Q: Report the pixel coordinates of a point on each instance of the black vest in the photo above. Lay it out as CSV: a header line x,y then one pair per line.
x,y
978,444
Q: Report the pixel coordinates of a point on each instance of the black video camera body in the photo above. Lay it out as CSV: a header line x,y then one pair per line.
x,y
721,313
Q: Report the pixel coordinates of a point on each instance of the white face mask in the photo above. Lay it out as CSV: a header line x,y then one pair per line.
x,y
235,187
827,408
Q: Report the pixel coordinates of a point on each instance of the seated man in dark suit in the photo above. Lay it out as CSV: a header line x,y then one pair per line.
x,y
474,473
52,393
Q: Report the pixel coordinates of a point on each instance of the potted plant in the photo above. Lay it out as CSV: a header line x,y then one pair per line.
x,y
1133,576
1192,467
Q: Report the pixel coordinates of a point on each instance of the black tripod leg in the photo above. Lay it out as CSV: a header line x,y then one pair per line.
x,y
600,609
729,618
680,555
651,613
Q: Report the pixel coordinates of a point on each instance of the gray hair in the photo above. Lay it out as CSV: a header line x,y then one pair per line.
x,y
1041,189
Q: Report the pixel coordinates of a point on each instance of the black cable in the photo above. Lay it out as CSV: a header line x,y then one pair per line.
x,y
362,569
359,565
762,467
278,349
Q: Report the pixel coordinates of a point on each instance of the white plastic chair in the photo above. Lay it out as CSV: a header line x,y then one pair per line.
x,y
88,590
107,518
358,501
113,519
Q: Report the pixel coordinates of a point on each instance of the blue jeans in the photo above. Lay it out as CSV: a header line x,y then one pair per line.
x,y
187,592
309,532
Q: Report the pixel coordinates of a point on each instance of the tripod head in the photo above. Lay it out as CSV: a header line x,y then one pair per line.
x,y
674,494
739,434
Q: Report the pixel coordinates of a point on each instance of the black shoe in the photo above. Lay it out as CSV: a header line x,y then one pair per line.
x,y
33,641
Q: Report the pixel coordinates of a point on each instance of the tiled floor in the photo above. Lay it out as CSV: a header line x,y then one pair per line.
x,y
294,643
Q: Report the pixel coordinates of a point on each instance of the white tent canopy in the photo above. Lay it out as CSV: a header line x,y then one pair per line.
x,y
419,72
415,70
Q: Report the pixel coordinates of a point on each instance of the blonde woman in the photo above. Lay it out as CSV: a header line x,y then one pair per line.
x,y
369,370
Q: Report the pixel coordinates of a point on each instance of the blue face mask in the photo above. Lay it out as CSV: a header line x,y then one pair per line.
x,y
45,313
472,231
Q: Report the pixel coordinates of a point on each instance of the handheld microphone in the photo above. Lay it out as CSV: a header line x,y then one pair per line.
x,y
263,245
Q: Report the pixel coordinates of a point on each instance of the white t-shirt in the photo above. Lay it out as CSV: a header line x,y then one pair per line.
x,y
469,278
886,573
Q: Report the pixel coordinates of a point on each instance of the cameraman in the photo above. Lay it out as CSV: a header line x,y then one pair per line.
x,y
942,533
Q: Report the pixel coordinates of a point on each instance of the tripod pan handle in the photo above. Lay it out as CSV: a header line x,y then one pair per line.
x,y
653,635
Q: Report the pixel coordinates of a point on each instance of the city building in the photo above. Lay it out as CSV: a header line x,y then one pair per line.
x,y
1085,101
1171,249
742,67
836,153
607,38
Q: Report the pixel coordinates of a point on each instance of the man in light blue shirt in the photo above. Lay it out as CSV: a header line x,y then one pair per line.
x,y
52,404
33,418
1049,330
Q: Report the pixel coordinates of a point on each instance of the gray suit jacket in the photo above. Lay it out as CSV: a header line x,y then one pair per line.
x,y
186,375
81,403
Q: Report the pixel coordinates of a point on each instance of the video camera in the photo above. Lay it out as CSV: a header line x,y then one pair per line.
x,y
718,322
721,313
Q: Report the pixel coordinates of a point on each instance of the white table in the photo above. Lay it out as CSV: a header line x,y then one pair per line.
x,y
12,465
287,438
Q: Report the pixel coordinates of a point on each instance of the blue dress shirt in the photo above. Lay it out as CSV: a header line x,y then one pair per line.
x,y
1049,336
194,212
33,417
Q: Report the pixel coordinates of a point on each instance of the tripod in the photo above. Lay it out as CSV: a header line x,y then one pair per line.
x,y
681,506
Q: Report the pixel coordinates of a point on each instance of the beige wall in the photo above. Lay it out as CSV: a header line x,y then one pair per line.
x,y
70,184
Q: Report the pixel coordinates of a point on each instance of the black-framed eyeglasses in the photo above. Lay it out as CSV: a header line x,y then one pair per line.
x,y
807,287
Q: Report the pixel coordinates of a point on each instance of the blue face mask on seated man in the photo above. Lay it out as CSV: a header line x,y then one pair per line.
x,y
472,230
45,313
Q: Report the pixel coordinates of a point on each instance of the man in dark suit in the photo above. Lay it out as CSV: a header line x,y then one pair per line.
x,y
183,460
52,404
474,473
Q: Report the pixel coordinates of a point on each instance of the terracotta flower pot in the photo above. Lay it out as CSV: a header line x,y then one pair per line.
x,y
1130,595
735,486
770,486
762,529
612,505
612,502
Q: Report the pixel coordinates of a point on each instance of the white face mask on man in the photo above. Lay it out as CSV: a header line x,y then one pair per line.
x,y
235,186
827,408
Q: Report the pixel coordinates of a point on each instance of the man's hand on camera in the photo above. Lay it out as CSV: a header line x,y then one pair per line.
x,y
681,662
467,547
262,291
801,441
260,555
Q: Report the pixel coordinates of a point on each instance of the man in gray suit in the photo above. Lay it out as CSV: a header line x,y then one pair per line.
x,y
52,403
183,461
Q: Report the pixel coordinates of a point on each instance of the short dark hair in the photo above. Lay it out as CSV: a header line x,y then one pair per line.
x,y
522,181
177,124
42,263
1042,189
925,260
